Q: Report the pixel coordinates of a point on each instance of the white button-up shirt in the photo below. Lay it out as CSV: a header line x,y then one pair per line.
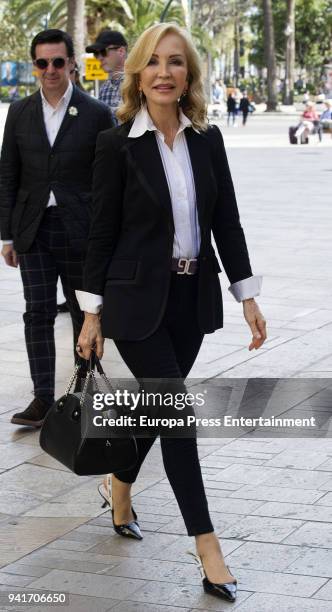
x,y
53,117
178,171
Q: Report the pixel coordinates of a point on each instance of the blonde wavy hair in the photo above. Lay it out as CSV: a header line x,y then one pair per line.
x,y
193,103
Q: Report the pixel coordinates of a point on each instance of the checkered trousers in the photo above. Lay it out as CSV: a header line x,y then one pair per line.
x,y
50,257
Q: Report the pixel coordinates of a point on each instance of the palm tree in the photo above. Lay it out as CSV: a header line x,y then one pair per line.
x,y
270,56
290,53
76,25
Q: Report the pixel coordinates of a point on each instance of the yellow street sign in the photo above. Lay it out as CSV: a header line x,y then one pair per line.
x,y
93,70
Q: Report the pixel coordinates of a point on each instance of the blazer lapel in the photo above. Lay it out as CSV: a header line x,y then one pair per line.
x,y
144,155
68,118
201,163
40,119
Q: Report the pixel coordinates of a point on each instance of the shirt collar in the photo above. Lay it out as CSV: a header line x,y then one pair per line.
x,y
143,123
64,100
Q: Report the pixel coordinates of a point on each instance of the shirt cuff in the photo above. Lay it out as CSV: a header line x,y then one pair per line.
x,y
89,302
246,288
4,242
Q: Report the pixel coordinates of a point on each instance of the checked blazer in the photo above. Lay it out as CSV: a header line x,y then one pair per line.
x,y
30,168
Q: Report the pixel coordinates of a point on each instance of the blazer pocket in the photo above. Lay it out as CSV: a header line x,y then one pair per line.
x,y
18,209
122,271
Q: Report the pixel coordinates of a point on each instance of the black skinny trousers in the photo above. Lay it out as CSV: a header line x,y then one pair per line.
x,y
170,352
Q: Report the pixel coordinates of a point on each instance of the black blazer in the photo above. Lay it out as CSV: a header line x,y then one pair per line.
x,y
131,238
30,168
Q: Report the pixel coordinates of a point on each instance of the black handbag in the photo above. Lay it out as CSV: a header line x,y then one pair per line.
x,y
65,433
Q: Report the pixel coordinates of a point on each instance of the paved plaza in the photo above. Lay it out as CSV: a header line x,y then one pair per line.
x,y
270,498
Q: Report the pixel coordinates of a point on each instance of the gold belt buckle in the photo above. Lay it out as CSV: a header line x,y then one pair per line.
x,y
186,265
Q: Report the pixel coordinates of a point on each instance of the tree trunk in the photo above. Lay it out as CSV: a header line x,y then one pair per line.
x,y
76,26
270,56
290,53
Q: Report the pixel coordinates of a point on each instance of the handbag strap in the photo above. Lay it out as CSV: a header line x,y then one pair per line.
x,y
94,362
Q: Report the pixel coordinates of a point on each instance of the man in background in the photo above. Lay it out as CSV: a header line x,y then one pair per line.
x,y
110,48
45,201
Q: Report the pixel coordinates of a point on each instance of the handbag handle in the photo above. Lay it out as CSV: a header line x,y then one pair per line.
x,y
94,362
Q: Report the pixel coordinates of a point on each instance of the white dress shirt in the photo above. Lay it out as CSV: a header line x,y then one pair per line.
x,y
178,171
53,117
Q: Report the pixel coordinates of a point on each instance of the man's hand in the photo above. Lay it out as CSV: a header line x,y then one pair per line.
x,y
90,337
10,255
256,322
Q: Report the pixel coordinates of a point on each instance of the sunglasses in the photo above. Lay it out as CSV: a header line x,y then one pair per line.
x,y
103,52
57,62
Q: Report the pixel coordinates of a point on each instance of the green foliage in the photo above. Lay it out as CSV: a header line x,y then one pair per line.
x,y
313,25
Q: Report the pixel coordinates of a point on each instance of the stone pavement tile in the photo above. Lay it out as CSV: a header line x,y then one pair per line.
x,y
263,445
302,479
44,460
260,602
298,459
13,502
28,435
10,433
327,485
263,556
76,603
84,583
324,593
43,481
168,593
223,461
146,548
312,534
233,506
271,493
326,500
312,562
69,544
210,483
177,550
21,535
242,454
306,512
262,529
220,523
248,475
134,606
56,508
326,467
14,579
25,570
277,582
165,571
53,559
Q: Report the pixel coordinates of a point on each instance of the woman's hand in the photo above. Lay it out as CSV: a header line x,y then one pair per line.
x,y
256,322
90,337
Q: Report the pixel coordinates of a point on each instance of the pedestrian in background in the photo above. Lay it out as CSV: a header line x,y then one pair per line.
x,y
45,202
244,107
231,108
110,48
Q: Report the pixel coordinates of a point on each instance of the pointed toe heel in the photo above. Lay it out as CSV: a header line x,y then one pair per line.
x,y
226,590
129,530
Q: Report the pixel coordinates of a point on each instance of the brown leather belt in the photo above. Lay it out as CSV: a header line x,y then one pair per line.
x,y
184,266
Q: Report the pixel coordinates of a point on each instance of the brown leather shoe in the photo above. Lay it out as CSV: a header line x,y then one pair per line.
x,y
33,415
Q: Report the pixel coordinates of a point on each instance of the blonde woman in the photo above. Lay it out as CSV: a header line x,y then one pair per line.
x,y
161,186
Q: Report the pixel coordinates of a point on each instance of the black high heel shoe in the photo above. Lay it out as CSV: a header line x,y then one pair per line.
x,y
131,529
226,590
